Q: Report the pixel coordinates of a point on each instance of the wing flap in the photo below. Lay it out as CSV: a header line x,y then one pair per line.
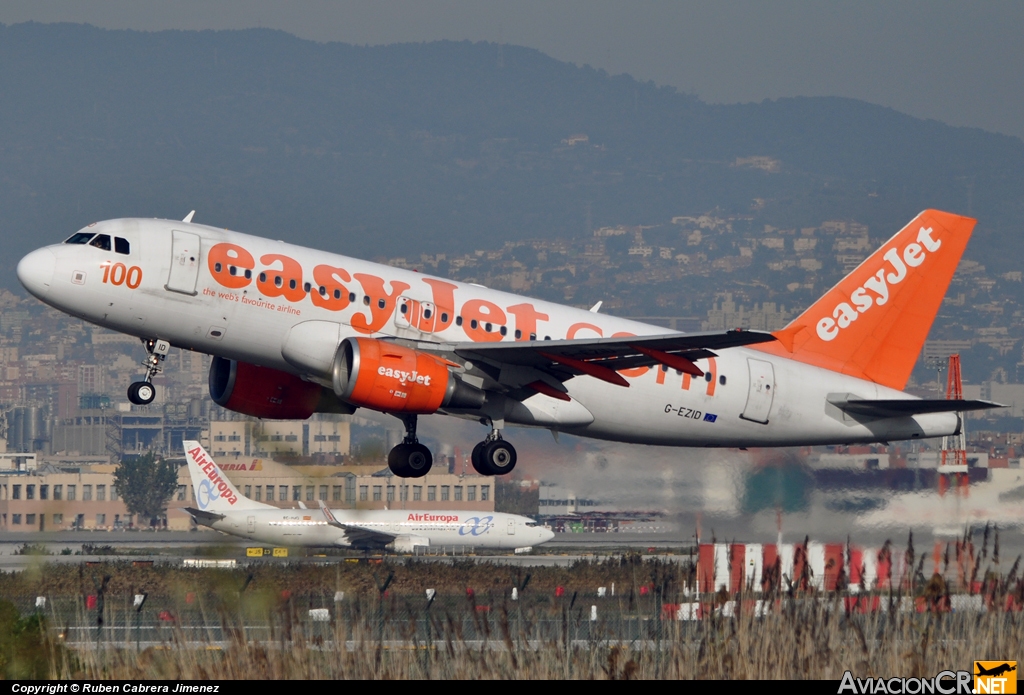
x,y
556,357
365,538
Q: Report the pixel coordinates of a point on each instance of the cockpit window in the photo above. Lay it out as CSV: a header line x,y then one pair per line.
x,y
102,241
79,238
122,246
531,524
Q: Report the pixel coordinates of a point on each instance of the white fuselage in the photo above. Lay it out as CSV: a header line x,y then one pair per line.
x,y
753,398
309,528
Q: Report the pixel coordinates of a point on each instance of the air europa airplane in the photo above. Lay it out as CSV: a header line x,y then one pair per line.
x,y
295,331
222,507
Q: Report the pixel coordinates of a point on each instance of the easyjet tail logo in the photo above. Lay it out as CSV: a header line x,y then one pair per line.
x,y
877,289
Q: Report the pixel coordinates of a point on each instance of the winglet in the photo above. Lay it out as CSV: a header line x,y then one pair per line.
x,y
329,515
597,307
188,217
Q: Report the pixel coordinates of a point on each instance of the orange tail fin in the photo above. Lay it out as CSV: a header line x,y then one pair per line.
x,y
873,324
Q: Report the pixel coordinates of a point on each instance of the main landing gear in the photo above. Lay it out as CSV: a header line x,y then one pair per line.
x,y
143,392
410,459
494,456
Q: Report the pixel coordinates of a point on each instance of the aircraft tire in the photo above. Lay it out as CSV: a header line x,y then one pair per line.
x,y
141,393
498,457
410,460
477,460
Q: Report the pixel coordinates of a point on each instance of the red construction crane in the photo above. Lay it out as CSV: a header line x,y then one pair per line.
x,y
954,448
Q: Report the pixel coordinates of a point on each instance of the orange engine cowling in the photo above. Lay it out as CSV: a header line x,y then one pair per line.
x,y
261,391
395,379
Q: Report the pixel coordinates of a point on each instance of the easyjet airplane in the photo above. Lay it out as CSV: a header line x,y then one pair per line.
x,y
295,331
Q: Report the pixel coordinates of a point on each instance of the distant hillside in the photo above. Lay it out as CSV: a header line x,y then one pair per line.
x,y
394,150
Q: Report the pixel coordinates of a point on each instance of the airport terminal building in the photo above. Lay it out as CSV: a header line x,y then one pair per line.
x,y
51,497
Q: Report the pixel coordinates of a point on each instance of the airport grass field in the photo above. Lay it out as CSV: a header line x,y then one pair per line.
x,y
625,616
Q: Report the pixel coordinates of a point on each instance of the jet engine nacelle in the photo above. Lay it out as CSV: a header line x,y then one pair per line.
x,y
261,391
395,379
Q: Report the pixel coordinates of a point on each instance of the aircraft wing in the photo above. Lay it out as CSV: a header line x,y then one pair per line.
x,y
203,517
357,536
601,357
360,537
905,407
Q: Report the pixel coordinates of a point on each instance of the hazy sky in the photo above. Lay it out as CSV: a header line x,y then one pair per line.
x,y
958,62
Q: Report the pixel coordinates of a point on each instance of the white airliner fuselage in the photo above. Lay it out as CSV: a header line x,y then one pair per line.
x,y
288,308
222,507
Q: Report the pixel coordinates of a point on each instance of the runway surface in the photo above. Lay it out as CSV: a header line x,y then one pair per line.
x,y
172,547
74,547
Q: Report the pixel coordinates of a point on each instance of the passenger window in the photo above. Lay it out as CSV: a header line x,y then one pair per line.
x,y
79,238
122,246
102,241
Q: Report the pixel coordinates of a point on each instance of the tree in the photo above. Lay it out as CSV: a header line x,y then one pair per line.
x,y
146,484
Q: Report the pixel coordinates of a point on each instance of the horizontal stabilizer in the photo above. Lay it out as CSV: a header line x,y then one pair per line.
x,y
202,517
905,407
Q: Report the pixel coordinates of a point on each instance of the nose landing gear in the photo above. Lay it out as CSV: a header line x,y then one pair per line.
x,y
143,392
494,456
410,459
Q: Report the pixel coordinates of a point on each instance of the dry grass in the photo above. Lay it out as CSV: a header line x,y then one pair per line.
x,y
254,623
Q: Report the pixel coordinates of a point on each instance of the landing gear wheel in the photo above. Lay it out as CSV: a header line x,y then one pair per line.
x,y
497,457
141,393
410,460
476,459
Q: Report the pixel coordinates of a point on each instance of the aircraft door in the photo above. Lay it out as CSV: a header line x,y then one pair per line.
x,y
408,313
185,248
511,527
407,317
427,317
761,393
415,319
251,524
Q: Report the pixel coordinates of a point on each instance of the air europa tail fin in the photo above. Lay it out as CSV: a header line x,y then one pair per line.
x,y
213,491
873,324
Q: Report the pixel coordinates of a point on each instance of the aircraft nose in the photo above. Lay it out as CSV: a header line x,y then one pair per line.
x,y
35,271
546,534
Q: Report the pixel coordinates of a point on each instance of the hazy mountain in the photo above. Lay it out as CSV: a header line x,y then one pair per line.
x,y
400,149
